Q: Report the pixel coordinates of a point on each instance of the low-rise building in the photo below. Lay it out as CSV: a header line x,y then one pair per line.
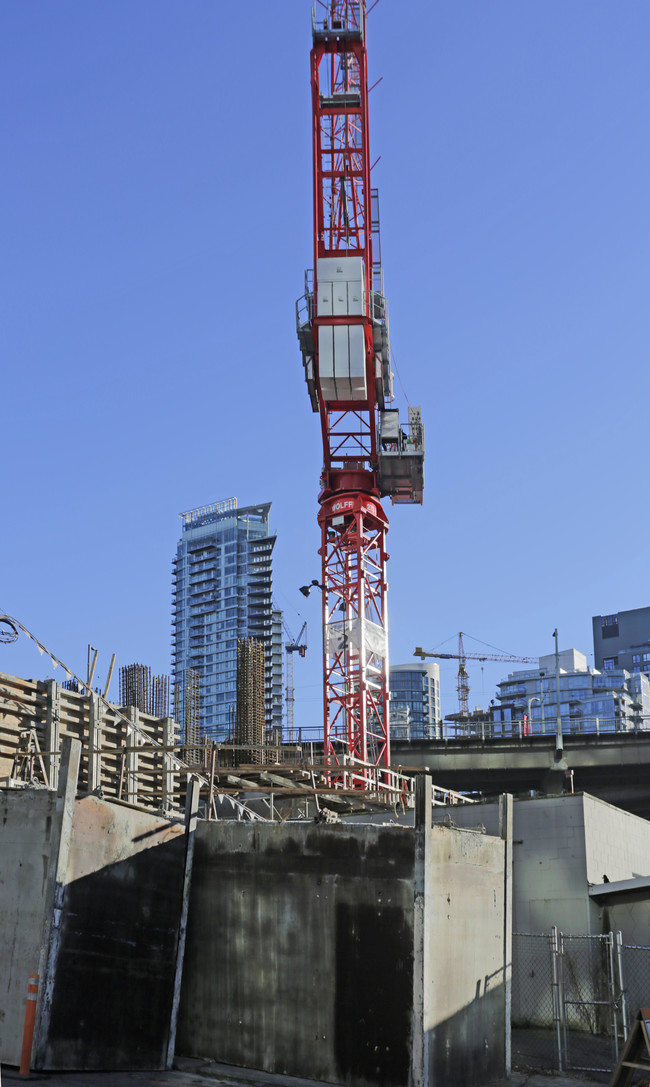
x,y
611,700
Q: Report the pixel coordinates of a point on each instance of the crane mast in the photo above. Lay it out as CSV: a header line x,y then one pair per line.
x,y
292,645
463,679
342,324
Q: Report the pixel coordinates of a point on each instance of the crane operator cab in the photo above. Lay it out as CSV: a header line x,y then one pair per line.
x,y
401,456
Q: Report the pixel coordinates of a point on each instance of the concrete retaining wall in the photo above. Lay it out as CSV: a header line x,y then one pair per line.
x,y
361,955
299,956
26,830
92,898
549,878
466,957
113,965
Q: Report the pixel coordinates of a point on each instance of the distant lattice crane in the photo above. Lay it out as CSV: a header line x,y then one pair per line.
x,y
293,645
462,685
463,679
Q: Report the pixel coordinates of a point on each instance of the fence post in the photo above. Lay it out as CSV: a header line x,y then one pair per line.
x,y
557,1001
625,1023
611,979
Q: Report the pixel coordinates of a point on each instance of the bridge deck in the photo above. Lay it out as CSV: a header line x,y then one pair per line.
x,y
612,766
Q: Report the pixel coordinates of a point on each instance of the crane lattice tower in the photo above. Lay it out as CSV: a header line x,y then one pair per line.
x,y
367,453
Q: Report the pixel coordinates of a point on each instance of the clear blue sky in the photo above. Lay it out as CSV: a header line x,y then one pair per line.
x,y
156,223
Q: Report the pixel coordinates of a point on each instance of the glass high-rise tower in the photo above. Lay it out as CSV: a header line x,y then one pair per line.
x,y
415,701
222,591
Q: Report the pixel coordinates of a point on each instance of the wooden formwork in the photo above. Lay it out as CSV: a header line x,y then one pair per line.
x,y
125,753
22,706
137,758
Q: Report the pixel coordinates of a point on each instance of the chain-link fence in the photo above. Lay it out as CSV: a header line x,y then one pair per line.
x,y
590,1000
573,998
635,968
535,1022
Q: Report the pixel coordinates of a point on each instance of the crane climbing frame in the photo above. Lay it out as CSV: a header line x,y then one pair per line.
x,y
342,325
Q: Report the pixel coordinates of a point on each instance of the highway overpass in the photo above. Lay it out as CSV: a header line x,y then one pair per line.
x,y
613,766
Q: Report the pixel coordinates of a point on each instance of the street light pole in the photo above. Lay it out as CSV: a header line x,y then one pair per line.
x,y
559,745
541,702
533,698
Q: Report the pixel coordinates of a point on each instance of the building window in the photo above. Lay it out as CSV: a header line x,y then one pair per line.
x,y
636,658
609,626
609,663
646,656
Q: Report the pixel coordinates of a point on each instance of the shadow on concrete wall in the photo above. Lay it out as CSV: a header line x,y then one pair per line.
x,y
299,956
468,1048
374,994
114,978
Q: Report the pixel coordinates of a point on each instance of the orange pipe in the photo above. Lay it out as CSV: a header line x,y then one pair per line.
x,y
30,1019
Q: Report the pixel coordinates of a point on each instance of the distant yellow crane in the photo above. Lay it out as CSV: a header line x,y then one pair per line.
x,y
463,679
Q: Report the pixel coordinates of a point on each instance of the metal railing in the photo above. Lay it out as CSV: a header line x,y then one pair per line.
x,y
352,773
340,15
524,729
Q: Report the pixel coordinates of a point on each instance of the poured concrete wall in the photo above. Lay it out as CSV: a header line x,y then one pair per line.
x,y
562,844
550,865
92,898
467,958
549,877
112,977
27,820
360,955
299,955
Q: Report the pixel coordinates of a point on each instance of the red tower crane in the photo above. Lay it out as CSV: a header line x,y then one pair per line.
x,y
342,324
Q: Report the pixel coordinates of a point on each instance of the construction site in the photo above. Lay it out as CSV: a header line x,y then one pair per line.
x,y
211,883
303,909
135,862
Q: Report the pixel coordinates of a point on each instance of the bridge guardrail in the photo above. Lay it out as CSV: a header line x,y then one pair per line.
x,y
519,729
524,729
